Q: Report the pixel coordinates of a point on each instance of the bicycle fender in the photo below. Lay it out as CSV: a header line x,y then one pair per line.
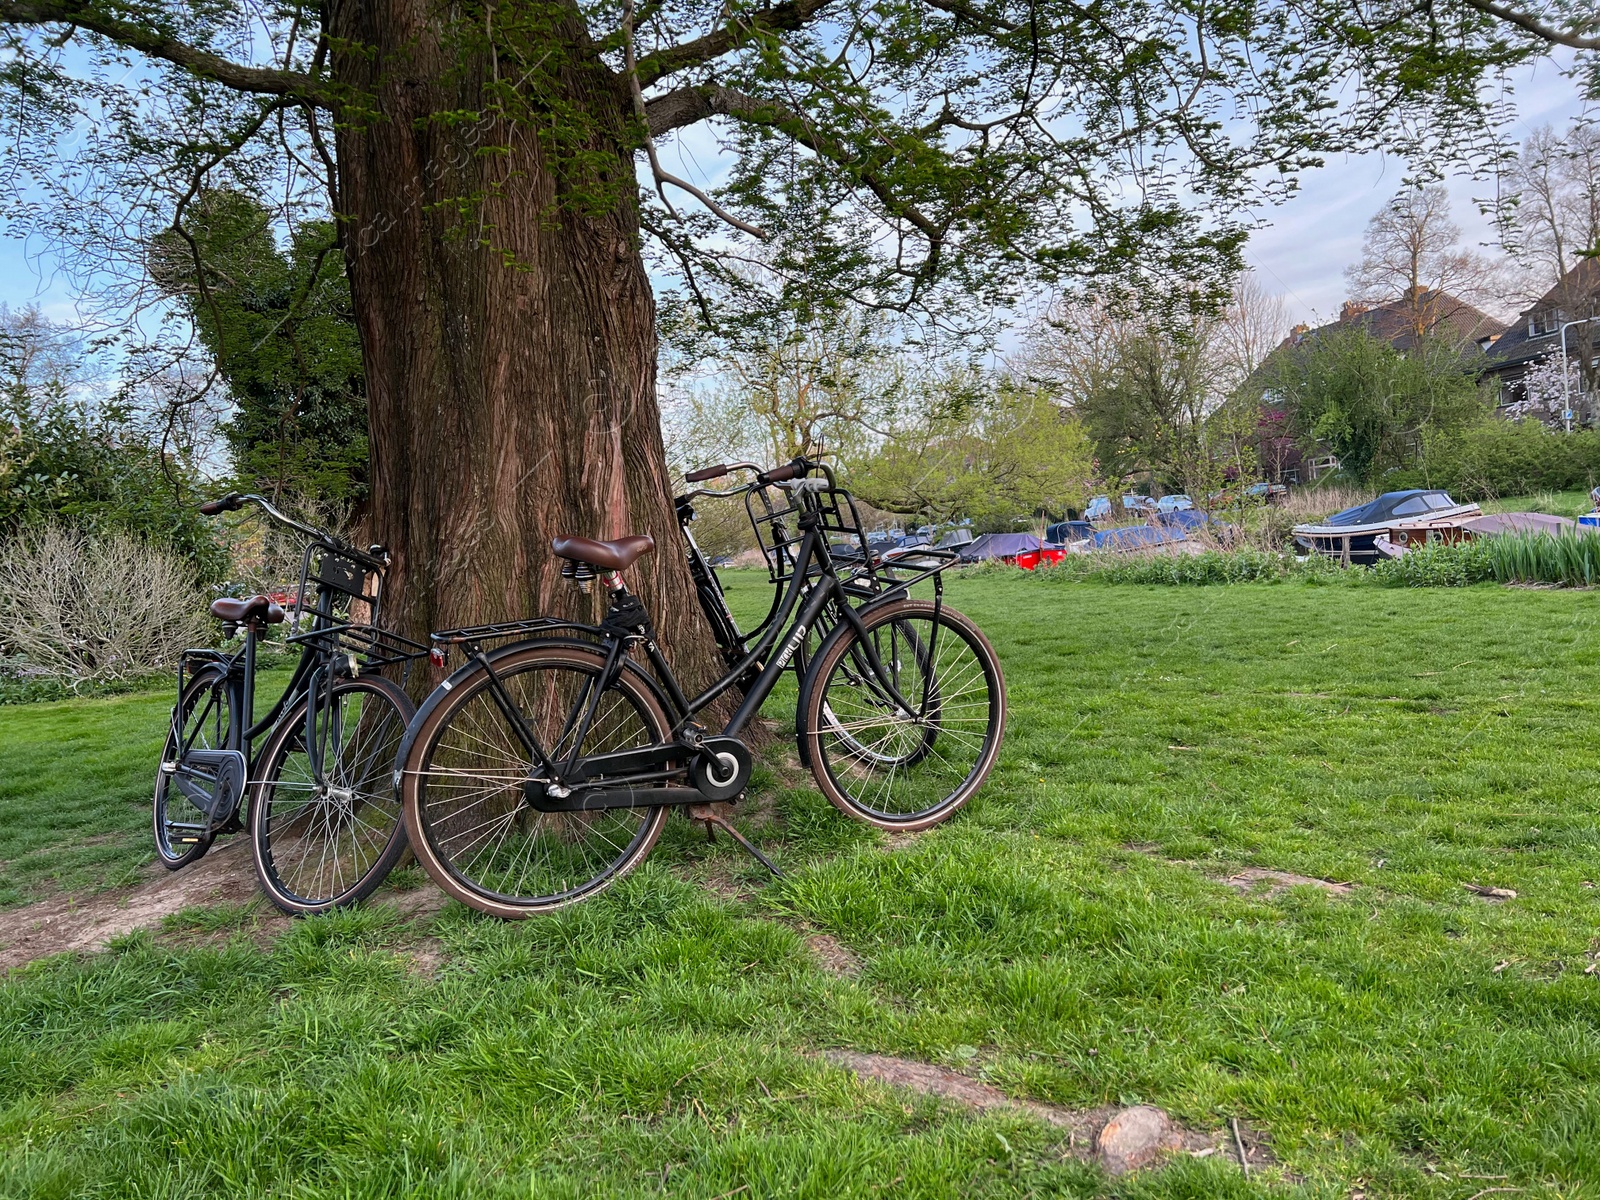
x,y
466,670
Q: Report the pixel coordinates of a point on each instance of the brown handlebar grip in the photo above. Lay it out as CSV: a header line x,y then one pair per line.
x,y
789,470
705,473
223,504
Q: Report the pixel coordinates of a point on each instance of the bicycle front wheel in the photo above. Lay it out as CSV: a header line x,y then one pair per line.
x,y
471,825
905,745
325,839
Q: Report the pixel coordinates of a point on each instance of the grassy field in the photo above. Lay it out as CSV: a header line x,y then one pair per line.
x,y
1069,937
1560,504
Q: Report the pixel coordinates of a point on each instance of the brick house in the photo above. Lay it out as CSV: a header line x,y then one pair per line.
x,y
1536,335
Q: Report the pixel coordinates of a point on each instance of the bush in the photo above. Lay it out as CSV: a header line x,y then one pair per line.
x,y
1504,458
94,468
1198,570
95,608
1439,564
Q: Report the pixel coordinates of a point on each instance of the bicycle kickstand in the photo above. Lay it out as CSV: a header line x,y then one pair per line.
x,y
714,819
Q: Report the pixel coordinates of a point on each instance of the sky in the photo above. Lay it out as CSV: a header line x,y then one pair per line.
x,y
1300,252
1310,239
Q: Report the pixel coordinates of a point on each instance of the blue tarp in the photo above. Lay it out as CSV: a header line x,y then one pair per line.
x,y
1000,545
1063,532
1130,536
1186,519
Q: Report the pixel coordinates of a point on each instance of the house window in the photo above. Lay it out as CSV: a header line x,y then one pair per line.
x,y
1543,324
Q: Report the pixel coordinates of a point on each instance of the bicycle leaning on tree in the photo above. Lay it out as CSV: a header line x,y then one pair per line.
x,y
543,769
318,795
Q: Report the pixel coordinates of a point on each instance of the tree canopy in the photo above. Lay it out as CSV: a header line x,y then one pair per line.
x,y
935,155
277,324
1372,405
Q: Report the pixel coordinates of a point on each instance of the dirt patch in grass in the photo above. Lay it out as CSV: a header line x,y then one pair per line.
x,y
1495,895
425,957
224,878
1255,881
71,922
833,956
1260,881
1121,1139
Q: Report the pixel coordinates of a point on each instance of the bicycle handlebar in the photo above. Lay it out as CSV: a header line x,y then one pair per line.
x,y
236,500
789,470
717,472
778,474
222,504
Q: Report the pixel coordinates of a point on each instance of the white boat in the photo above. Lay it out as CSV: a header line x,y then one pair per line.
x,y
1398,517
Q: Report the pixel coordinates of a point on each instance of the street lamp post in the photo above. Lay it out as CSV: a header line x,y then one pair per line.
x,y
1566,375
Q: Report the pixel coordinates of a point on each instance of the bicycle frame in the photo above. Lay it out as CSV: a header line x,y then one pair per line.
x,y
327,650
812,586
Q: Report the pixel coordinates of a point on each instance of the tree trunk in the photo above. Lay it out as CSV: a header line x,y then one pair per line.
x,y
508,333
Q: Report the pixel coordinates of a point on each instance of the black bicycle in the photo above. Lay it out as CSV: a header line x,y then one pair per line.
x,y
319,796
543,770
779,541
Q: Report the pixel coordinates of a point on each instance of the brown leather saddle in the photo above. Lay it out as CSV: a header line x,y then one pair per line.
x,y
616,555
252,610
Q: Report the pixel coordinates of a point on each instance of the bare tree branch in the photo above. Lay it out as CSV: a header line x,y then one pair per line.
x,y
1535,26
662,176
685,106
267,81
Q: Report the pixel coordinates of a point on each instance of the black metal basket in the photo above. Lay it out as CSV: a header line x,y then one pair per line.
x,y
863,570
367,644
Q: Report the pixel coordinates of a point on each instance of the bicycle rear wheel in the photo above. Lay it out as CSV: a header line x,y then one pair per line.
x,y
202,720
471,825
326,845
905,767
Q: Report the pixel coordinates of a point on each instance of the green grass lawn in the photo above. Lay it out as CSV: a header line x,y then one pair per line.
x,y
76,778
1560,504
1068,938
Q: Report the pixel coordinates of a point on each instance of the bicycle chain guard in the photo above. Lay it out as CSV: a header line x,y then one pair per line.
x,y
721,768
214,782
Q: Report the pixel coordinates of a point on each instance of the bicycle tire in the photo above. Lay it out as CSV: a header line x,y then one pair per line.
x,y
433,813
209,686
292,820
962,691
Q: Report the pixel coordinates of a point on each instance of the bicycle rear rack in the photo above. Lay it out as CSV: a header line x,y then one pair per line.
x,y
374,647
506,630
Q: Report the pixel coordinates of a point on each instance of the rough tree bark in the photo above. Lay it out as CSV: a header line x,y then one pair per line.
x,y
509,342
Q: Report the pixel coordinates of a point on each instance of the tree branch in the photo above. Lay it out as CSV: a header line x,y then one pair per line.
x,y
1535,26
685,106
267,81
663,177
780,18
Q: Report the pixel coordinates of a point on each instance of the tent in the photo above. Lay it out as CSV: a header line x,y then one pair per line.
x,y
1022,549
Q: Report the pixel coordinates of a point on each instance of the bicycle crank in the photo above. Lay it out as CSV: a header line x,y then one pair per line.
x,y
721,768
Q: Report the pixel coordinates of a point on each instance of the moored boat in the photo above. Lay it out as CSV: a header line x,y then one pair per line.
x,y
1404,517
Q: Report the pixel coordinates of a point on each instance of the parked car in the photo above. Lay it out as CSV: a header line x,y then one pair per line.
x,y
1256,493
1172,504
1138,504
1099,509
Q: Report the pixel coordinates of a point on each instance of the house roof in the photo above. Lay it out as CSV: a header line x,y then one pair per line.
x,y
1516,346
1391,322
